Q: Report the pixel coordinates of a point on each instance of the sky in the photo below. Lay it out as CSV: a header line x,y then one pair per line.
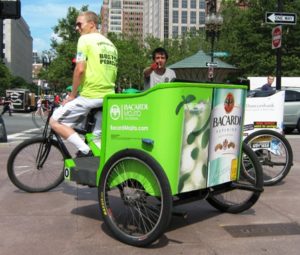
x,y
42,15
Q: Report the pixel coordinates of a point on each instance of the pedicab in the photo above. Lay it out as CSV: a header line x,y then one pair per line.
x,y
174,143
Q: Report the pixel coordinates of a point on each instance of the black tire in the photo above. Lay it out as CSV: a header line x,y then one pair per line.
x,y
276,164
298,126
288,130
23,169
134,216
238,196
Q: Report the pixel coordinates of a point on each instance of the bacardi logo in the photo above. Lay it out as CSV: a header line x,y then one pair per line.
x,y
229,103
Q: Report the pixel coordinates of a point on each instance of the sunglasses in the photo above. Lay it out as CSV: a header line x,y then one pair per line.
x,y
78,24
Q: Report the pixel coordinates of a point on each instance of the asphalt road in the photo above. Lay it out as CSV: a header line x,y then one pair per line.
x,y
21,126
67,220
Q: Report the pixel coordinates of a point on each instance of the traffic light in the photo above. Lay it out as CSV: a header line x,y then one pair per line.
x,y
10,9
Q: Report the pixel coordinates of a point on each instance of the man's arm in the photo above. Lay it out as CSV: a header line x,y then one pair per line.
x,y
77,77
149,70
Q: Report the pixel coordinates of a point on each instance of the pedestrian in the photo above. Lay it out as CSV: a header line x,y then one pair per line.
x,y
68,92
7,106
56,99
157,72
39,108
268,85
95,72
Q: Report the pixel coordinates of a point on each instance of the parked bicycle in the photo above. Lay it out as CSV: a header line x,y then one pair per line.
x,y
274,152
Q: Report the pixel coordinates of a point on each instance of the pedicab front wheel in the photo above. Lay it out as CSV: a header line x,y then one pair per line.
x,y
242,194
135,197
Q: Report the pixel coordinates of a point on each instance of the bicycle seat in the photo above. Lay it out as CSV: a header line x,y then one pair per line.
x,y
95,110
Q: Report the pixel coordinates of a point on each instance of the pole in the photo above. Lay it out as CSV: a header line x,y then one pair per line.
x,y
1,41
278,54
212,54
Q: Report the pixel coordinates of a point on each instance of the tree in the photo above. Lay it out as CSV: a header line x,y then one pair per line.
x,y
5,78
59,72
248,38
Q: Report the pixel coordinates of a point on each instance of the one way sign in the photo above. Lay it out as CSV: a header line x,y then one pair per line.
x,y
281,18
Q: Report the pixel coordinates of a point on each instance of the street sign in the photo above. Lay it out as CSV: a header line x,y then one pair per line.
x,y
276,37
282,18
210,73
210,64
221,54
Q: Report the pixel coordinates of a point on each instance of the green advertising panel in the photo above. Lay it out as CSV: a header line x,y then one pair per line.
x,y
172,123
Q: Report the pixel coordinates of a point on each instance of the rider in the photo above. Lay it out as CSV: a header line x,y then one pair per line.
x,y
95,71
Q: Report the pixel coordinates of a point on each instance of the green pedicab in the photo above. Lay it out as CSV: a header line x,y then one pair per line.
x,y
170,144
173,144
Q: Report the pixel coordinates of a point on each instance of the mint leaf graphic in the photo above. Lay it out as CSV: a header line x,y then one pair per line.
x,y
195,153
205,138
182,180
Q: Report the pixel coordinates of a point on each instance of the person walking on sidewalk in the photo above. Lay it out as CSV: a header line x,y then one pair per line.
x,y
7,106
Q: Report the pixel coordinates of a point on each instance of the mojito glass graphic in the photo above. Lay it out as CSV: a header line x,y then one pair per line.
x,y
194,152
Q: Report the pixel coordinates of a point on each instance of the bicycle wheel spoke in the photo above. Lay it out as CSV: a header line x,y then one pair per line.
x,y
28,173
134,213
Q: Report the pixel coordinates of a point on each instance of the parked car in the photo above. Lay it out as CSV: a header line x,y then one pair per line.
x,y
291,118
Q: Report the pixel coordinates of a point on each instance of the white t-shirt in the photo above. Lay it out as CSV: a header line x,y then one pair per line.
x,y
155,78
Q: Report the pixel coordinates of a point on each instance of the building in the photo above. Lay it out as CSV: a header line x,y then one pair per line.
x,y
174,18
18,48
122,16
163,19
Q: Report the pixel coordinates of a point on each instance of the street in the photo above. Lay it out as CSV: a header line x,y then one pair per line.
x,y
67,220
21,126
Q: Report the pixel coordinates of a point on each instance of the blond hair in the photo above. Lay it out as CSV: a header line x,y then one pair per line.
x,y
90,17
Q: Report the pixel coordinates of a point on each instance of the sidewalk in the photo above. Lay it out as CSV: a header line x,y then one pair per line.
x,y
67,221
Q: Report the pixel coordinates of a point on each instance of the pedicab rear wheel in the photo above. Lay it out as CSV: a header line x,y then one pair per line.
x,y
135,197
240,195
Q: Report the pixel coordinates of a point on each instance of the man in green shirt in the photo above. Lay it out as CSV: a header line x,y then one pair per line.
x,y
96,72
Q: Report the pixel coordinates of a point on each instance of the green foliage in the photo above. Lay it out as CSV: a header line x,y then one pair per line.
x,y
244,34
131,60
248,38
59,72
5,79
8,81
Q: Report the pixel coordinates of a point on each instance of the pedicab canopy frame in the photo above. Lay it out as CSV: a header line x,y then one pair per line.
x,y
193,130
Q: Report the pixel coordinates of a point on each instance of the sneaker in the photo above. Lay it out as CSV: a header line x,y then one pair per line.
x,y
80,154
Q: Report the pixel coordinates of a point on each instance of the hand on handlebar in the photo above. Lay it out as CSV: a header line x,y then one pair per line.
x,y
70,98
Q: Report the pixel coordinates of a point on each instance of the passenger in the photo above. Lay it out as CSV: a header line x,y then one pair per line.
x,y
157,71
96,72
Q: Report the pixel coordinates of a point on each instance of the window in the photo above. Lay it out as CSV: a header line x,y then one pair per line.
x,y
175,16
193,30
184,4
193,4
201,17
202,4
174,31
175,3
292,96
193,17
184,17
183,30
116,4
